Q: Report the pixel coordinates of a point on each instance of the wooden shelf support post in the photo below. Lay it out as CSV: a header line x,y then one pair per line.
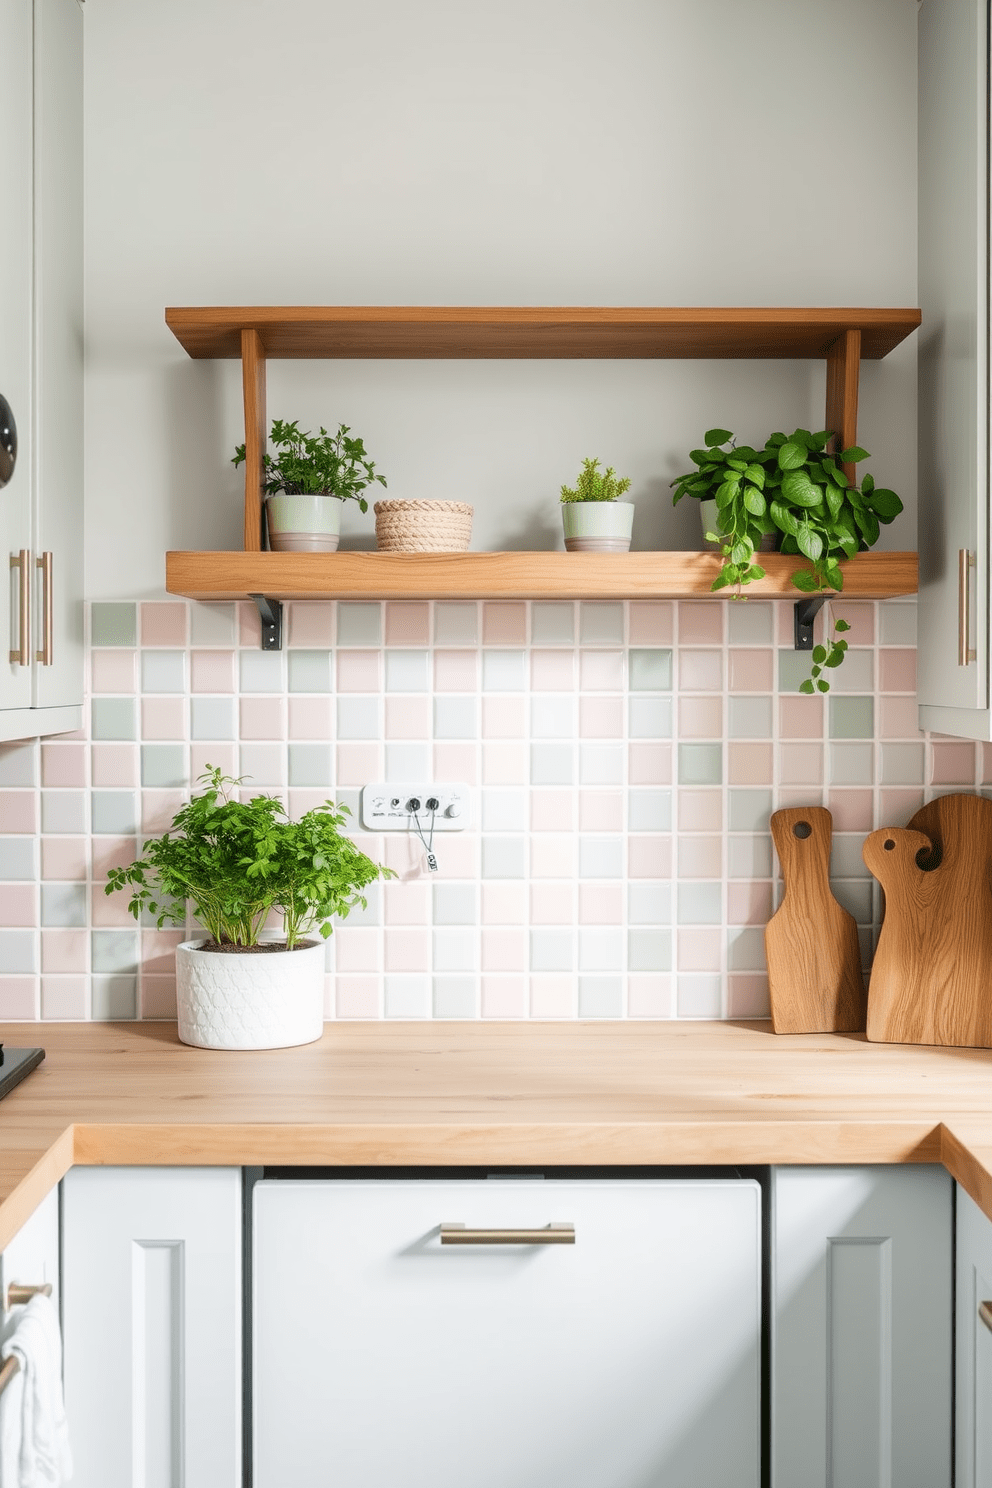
x,y
253,377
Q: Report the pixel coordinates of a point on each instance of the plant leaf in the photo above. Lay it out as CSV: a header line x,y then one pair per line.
x,y
841,625
885,504
805,581
810,542
754,502
807,687
798,489
791,456
854,454
716,436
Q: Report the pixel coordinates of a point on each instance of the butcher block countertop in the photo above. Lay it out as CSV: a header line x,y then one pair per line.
x,y
443,1094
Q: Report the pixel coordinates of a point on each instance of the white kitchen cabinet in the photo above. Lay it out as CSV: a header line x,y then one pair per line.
x,y
861,1327
41,366
151,1278
32,1257
627,1359
973,1347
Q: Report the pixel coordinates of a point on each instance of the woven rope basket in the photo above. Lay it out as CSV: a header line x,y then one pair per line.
x,y
422,526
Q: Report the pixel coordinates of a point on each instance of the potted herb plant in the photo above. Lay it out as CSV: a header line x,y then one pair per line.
x,y
307,480
594,520
236,862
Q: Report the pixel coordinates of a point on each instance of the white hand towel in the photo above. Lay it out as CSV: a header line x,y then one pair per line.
x,y
43,1459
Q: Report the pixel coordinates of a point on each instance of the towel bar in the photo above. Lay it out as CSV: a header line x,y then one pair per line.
x,y
7,1371
16,1294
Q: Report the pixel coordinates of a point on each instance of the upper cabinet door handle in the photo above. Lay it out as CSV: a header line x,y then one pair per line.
x,y
20,654
45,655
966,562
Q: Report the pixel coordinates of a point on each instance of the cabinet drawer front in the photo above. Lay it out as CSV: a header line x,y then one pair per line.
x,y
628,1358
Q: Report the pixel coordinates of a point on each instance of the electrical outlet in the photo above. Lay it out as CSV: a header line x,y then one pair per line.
x,y
392,806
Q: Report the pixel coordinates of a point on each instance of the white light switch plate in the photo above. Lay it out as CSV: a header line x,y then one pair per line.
x,y
386,806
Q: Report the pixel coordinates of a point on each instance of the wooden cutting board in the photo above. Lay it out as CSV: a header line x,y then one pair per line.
x,y
811,944
931,980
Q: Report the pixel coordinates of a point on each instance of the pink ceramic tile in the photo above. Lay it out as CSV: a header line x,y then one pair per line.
x,y
601,671
749,764
407,623
18,904
18,997
212,671
458,857
800,795
19,811
700,623
801,717
158,951
601,811
897,669
552,857
504,949
359,671
406,903
404,855
357,997
895,807
357,764
112,852
114,765
113,671
601,717
65,950
747,995
504,903
649,996
651,622
600,904
550,905
504,623
408,718
64,998
954,764
700,809
109,911
649,856
649,764
751,669
552,671
504,997
852,810
456,671
552,996
749,903
504,717
65,857
163,718
158,807
163,624
157,997
249,627
701,718
701,671
63,764
218,756
800,764
356,949
456,762
311,624
504,764
265,717
700,857
302,801
898,718
860,617
698,949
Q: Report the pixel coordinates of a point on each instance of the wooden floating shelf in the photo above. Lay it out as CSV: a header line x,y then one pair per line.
x,y
356,575
529,331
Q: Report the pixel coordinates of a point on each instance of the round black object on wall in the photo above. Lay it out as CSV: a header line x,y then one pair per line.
x,y
8,441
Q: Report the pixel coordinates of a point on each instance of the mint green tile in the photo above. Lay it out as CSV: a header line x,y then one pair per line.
x,y
750,857
504,857
261,671
113,624
113,718
164,765
18,764
213,625
751,623
746,951
700,903
600,997
846,860
897,624
63,904
455,904
114,952
855,674
902,764
852,717
552,949
700,996
309,671
211,718
114,998
114,812
750,809
650,718
359,624
649,810
310,765
63,812
649,950
793,668
600,857
552,624
650,669
854,895
601,624
163,671
454,625
18,858
18,953
455,997
700,764
649,903
749,717
852,764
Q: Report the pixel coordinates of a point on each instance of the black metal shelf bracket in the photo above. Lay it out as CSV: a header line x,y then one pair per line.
x,y
270,615
806,612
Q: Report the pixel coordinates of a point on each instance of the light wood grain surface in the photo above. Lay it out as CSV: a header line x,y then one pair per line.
x,y
470,1093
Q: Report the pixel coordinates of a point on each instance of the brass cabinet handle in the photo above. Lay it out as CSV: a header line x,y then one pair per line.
x,y
21,654
985,1313
552,1234
966,562
17,1294
47,626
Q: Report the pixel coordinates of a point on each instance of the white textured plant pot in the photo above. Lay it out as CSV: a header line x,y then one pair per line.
x,y
597,526
303,524
234,1000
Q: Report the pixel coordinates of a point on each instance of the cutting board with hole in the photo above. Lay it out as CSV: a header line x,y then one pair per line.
x,y
815,983
931,980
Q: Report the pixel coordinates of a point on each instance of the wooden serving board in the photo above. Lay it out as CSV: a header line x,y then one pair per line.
x,y
811,943
931,981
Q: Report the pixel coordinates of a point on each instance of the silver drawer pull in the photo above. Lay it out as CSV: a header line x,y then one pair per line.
x,y
552,1234
985,1313
17,1294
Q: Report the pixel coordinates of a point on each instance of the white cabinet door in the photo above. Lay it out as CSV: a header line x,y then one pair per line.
x,y
151,1297
627,1360
861,1327
973,1347
32,1257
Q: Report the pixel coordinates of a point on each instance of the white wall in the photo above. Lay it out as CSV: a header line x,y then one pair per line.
x,y
671,152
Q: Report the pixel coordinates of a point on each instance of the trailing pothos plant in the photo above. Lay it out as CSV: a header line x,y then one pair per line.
x,y
236,861
315,464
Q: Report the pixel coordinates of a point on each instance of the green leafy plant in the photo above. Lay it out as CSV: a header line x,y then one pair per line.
x,y
595,485
830,655
316,464
736,479
236,861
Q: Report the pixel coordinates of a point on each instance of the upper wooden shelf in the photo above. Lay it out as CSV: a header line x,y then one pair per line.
x,y
527,331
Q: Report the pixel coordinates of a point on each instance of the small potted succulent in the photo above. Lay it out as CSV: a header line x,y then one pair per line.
x,y
236,862
306,482
594,520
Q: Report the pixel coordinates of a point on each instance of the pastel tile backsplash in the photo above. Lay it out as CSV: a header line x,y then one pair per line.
x,y
624,760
